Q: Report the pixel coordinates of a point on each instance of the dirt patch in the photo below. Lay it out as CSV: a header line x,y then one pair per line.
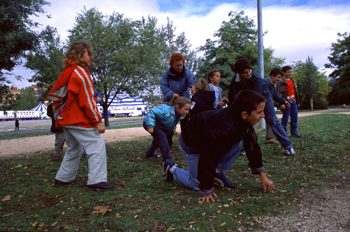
x,y
40,144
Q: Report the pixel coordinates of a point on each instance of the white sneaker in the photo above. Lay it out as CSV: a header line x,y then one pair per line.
x,y
290,152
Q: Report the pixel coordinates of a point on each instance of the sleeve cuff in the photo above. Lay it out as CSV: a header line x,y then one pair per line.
x,y
204,193
258,170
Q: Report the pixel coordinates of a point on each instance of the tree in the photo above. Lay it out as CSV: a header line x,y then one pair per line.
x,y
122,49
16,35
26,100
236,39
312,84
340,63
46,59
7,102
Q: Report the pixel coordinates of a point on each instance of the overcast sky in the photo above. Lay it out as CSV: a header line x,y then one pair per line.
x,y
295,29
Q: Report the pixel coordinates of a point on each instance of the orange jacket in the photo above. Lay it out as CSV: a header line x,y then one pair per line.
x,y
80,109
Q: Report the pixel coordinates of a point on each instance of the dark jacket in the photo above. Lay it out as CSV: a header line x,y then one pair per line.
x,y
200,102
282,89
50,113
212,134
255,83
273,92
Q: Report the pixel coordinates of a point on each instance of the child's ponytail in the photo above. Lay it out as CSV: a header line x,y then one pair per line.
x,y
179,101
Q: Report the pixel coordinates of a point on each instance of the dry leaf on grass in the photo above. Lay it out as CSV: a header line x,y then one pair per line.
x,y
101,209
6,198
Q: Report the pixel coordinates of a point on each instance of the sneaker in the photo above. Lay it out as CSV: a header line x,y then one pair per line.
x,y
154,155
167,175
102,186
58,183
221,180
296,136
290,152
271,141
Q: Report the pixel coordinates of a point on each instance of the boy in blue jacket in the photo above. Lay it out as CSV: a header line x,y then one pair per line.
x,y
275,77
247,78
210,135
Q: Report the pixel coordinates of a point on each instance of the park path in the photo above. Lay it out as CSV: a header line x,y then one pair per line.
x,y
40,144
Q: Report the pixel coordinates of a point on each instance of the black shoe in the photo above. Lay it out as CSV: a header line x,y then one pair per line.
x,y
102,186
167,175
296,136
154,155
58,183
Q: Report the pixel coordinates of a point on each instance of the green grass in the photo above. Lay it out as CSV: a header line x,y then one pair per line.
x,y
141,201
23,135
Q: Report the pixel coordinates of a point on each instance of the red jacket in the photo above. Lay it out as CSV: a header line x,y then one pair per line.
x,y
81,108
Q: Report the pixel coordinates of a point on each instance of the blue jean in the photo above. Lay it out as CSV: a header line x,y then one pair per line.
x,y
274,123
189,178
159,141
293,112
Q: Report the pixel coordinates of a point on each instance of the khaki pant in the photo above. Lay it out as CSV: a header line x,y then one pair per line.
x,y
94,145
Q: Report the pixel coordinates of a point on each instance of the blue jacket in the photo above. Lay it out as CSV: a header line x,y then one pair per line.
x,y
273,92
176,83
162,116
217,98
254,83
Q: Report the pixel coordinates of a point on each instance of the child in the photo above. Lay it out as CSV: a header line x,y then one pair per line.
x,y
161,121
275,77
210,135
288,90
59,135
74,101
247,78
214,81
202,97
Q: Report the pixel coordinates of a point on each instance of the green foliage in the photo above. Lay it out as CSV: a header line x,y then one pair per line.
x,y
46,59
7,102
141,201
26,100
16,34
312,85
340,63
129,56
236,39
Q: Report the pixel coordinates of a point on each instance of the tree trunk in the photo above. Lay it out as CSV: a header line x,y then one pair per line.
x,y
105,115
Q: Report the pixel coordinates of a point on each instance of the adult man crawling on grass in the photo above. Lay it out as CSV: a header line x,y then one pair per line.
x,y
211,136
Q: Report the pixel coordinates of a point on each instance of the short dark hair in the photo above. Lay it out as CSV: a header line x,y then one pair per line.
x,y
275,71
247,100
211,73
240,65
286,68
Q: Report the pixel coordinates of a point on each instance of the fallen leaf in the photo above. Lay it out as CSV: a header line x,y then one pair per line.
x,y
101,209
6,198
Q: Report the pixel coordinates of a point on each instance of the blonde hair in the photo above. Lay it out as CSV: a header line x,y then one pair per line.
x,y
202,85
175,101
76,51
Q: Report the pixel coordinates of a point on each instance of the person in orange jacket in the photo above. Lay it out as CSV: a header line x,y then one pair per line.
x,y
76,112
